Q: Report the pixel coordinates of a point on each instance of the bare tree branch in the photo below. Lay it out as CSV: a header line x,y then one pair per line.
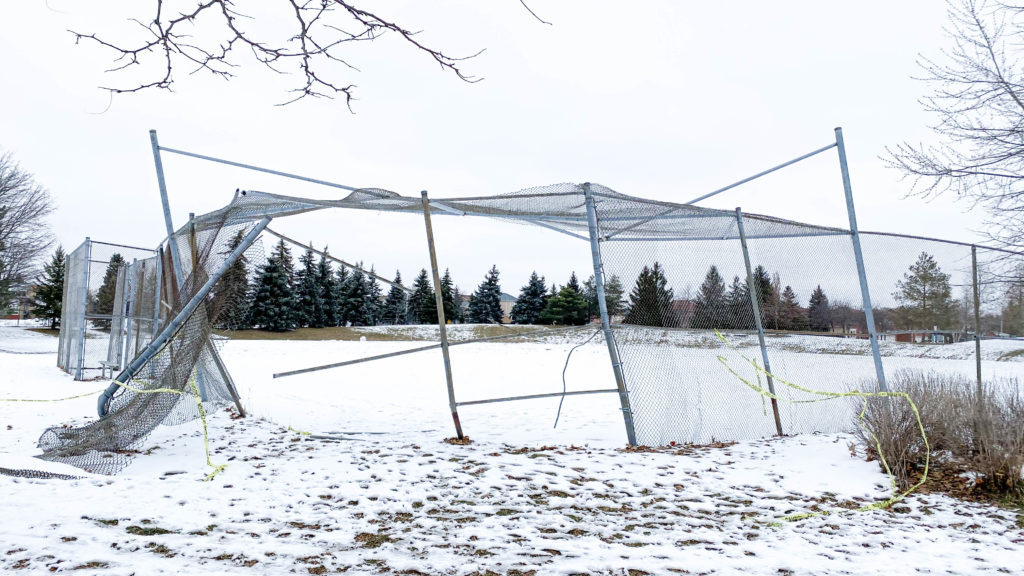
x,y
312,40
977,98
24,233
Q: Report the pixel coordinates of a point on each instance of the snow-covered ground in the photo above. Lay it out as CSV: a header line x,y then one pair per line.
x,y
376,490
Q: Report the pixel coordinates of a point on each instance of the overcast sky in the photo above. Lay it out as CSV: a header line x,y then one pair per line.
x,y
658,99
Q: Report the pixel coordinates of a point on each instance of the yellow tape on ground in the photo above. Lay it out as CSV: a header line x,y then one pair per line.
x,y
896,494
50,400
202,417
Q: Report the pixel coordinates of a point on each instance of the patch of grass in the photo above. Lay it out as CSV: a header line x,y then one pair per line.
x,y
505,512
91,565
56,332
369,540
147,531
1005,356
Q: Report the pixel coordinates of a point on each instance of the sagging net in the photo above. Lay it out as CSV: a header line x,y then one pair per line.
x,y
161,390
682,278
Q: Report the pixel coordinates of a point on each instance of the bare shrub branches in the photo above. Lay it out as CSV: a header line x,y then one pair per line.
x,y
215,35
977,98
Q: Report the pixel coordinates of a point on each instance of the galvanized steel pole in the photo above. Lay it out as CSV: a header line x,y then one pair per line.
x,y
977,316
439,300
168,223
869,314
609,337
755,305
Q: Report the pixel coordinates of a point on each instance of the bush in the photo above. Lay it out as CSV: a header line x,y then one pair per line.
x,y
983,435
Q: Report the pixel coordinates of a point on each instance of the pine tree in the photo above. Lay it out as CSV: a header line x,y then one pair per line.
x,y
327,283
340,286
737,304
567,308
310,300
422,302
613,292
274,303
767,298
485,303
460,310
650,300
819,316
791,315
925,294
50,289
710,311
373,309
394,311
103,304
356,297
231,294
448,298
532,301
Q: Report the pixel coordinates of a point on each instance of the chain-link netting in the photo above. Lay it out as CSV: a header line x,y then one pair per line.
x,y
685,326
149,299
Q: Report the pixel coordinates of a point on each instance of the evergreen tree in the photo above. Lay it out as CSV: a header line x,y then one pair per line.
x,y
819,315
532,300
650,300
356,297
104,301
326,283
50,289
613,292
567,308
231,294
925,295
394,311
710,311
767,298
485,303
274,303
448,298
308,290
791,315
340,286
373,309
737,304
460,312
422,302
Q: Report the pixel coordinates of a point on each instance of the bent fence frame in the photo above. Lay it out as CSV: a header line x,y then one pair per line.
x,y
595,239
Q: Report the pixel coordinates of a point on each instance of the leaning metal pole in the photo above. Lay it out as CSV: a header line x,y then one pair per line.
x,y
869,314
83,323
172,327
606,326
439,299
176,264
755,305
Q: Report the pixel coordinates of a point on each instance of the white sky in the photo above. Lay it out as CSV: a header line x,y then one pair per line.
x,y
662,100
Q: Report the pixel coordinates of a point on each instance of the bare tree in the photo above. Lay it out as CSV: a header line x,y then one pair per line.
x,y
304,36
978,98
24,233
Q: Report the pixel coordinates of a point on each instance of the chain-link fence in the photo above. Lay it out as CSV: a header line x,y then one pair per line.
x,y
106,290
709,307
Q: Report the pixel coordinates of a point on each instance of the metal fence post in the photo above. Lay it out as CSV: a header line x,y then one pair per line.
x,y
755,305
602,305
869,314
977,315
439,300
85,305
168,223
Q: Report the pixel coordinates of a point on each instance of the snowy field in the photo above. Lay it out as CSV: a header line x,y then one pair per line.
x,y
375,490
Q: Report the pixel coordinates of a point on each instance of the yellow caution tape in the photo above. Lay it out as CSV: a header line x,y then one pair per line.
x,y
896,494
50,400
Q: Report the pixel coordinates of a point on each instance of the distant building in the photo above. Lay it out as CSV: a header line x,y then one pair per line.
x,y
507,302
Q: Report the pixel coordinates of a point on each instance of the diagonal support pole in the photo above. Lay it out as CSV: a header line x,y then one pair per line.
x,y
439,300
602,305
755,306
